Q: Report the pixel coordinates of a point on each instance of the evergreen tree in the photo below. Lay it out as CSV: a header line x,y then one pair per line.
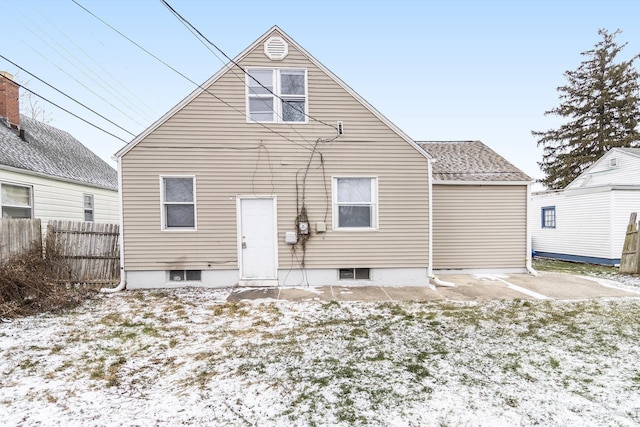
x,y
602,104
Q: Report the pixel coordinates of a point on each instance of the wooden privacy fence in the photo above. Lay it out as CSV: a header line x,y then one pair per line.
x,y
82,252
85,252
630,259
18,236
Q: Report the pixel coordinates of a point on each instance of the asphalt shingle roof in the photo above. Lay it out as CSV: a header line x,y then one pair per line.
x,y
469,161
53,152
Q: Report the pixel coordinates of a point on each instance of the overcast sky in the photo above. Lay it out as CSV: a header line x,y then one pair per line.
x,y
440,70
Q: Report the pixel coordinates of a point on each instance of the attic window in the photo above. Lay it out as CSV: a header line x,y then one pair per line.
x,y
613,162
276,48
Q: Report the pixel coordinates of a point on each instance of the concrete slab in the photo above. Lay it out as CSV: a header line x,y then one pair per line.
x,y
470,288
359,293
321,294
412,293
567,286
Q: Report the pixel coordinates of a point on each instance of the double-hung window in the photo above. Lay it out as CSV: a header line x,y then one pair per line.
x,y
549,217
355,203
88,207
277,95
16,201
178,203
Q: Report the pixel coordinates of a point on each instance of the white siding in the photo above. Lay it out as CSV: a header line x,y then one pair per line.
x,y
60,200
626,172
583,224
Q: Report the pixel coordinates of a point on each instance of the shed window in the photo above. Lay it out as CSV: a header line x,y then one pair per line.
x,y
178,203
549,217
16,201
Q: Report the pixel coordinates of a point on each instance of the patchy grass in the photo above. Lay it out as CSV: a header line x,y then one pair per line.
x,y
188,357
578,268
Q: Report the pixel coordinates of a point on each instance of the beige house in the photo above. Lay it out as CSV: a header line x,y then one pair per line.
x,y
480,202
275,172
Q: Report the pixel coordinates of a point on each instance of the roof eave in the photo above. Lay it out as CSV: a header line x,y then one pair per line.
x,y
56,178
451,182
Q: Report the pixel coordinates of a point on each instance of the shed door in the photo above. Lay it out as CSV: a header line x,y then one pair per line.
x,y
258,240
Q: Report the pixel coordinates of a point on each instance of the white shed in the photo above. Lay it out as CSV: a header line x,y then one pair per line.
x,y
587,221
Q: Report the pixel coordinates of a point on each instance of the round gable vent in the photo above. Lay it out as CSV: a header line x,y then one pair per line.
x,y
276,48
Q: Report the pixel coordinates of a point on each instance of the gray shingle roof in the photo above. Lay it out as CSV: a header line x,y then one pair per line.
x,y
469,161
53,152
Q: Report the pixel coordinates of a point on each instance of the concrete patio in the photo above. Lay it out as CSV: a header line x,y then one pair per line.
x,y
468,287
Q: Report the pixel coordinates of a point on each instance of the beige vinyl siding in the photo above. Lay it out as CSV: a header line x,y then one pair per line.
x,y
476,226
231,157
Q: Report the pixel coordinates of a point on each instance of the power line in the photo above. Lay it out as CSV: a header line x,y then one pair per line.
x,y
48,58
272,108
184,76
67,96
65,110
186,21
105,70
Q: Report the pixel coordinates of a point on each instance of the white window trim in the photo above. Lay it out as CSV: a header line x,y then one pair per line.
x,y
29,187
93,207
277,102
163,221
374,203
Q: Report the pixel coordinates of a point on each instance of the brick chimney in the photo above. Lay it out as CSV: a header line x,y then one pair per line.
x,y
9,102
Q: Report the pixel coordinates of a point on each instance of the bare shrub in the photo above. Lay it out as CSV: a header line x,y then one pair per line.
x,y
31,284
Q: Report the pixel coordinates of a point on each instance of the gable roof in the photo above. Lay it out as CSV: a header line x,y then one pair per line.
x,y
52,152
459,161
277,31
580,181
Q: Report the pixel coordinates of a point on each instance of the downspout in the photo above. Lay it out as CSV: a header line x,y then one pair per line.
x,y
435,279
123,282
528,234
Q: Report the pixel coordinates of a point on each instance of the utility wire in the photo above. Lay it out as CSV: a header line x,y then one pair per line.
x,y
65,110
242,79
83,85
75,62
184,76
168,6
96,83
149,110
65,95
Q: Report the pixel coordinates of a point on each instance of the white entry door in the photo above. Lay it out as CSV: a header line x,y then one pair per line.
x,y
258,241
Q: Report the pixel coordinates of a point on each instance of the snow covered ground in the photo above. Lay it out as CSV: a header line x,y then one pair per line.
x,y
188,357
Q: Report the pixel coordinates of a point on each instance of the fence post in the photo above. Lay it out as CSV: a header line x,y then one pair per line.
x,y
630,259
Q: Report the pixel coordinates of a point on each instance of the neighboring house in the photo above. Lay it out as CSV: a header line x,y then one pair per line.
x,y
479,208
280,176
587,221
46,173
